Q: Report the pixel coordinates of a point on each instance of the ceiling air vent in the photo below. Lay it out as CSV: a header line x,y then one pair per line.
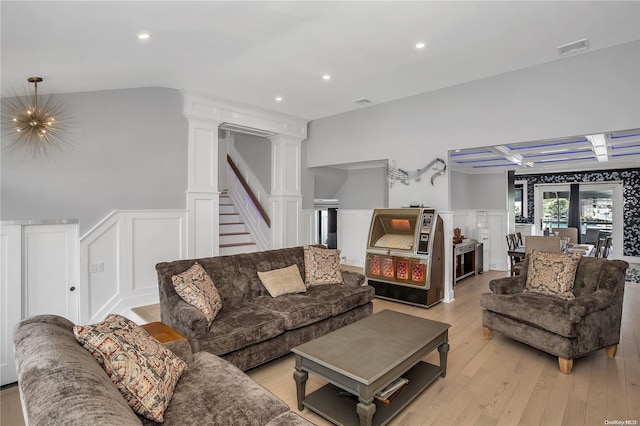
x,y
574,47
362,101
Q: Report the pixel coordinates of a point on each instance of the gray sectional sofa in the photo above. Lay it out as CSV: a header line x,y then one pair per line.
x,y
253,328
61,383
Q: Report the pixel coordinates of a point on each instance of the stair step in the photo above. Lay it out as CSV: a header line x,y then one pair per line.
x,y
227,228
230,218
236,248
235,238
227,208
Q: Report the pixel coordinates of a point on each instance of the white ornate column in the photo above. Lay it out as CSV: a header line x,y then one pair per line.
x,y
203,239
286,191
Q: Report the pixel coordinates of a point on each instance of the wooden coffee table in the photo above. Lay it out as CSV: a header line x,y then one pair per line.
x,y
364,357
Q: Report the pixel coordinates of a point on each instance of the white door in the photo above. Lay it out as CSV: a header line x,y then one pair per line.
x,y
50,271
10,312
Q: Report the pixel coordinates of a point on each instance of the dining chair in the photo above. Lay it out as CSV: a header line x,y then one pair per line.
x,y
519,239
600,245
571,233
548,244
515,261
606,249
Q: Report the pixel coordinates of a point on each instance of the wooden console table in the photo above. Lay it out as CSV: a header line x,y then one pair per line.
x,y
464,255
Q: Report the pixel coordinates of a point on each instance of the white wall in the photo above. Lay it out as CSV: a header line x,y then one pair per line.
x,y
129,152
586,93
479,191
256,152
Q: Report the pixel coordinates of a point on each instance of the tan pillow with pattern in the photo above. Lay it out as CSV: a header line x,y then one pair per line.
x,y
196,288
552,274
143,369
321,266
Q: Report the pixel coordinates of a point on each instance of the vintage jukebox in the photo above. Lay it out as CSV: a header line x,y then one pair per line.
x,y
405,255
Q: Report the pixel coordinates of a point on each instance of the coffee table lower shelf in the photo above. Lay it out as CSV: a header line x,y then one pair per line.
x,y
341,410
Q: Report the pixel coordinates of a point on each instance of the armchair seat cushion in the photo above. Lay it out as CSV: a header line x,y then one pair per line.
x,y
236,325
341,298
549,313
297,310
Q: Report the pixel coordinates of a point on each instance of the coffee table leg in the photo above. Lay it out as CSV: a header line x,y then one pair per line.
x,y
300,376
443,349
365,410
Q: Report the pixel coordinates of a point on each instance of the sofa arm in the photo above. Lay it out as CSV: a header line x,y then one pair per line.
x,y
353,279
508,285
181,348
186,320
584,305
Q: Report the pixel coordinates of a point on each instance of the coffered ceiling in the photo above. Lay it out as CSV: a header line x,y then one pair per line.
x,y
616,149
317,57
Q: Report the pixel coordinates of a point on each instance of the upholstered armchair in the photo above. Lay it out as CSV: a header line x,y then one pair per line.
x,y
569,327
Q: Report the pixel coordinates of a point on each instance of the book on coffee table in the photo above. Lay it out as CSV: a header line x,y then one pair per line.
x,y
391,390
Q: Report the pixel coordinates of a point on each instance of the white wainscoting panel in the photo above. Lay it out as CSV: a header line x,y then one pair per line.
x,y
10,298
309,226
118,258
204,216
353,233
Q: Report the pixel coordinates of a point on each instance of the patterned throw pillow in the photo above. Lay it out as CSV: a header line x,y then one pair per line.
x,y
322,266
143,370
196,288
552,274
282,281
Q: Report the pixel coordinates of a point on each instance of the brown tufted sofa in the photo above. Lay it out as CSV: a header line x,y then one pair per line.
x,y
253,328
568,329
61,383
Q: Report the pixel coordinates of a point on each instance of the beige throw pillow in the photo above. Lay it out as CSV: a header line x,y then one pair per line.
x,y
196,288
552,274
283,281
322,266
143,369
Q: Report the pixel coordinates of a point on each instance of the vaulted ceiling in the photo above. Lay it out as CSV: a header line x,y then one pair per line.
x,y
255,52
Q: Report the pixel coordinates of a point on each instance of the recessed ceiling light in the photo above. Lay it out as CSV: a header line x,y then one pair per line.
x,y
420,45
144,36
326,77
278,98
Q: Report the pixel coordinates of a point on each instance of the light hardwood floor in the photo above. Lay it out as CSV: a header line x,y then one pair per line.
x,y
489,382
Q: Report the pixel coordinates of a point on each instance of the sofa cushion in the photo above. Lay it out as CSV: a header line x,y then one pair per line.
x,y
214,392
196,288
552,274
549,313
143,370
341,298
297,310
322,266
239,326
282,281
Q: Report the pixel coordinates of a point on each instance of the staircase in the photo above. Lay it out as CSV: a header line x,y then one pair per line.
x,y
234,235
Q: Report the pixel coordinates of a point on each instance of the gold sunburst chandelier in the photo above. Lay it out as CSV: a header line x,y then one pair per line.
x,y
35,126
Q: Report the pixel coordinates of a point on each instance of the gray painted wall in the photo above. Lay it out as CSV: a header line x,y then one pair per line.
x,y
129,152
256,151
361,190
546,101
478,191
